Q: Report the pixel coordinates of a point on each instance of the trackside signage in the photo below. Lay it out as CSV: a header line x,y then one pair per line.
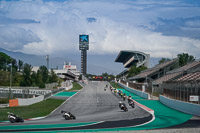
x,y
194,98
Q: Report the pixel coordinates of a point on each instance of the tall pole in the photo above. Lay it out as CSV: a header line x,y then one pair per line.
x,y
47,59
10,81
11,76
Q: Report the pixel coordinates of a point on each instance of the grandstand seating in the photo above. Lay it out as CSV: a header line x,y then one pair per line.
x,y
178,72
190,77
167,77
152,71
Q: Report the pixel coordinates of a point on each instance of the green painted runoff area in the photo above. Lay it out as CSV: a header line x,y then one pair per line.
x,y
164,117
44,126
65,94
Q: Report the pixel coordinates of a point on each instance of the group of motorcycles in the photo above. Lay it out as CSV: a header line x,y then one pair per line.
x,y
69,116
122,106
15,119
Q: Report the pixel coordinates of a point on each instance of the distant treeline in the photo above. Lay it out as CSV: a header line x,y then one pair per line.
x,y
18,73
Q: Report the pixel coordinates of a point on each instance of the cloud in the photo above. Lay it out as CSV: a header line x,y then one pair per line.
x,y
183,27
14,38
4,20
161,28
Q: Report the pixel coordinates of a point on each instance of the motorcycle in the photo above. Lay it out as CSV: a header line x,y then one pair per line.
x,y
132,104
124,97
68,115
122,106
14,118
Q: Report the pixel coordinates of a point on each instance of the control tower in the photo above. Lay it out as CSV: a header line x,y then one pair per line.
x,y
83,46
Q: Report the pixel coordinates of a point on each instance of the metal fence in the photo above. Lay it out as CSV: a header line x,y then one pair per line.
x,y
182,90
136,86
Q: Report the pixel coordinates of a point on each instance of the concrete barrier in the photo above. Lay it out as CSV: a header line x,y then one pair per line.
x,y
185,107
139,93
29,101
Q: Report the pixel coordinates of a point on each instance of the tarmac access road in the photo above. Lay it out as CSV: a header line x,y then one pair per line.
x,y
92,104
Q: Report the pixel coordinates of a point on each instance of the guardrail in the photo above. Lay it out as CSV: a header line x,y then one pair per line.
x,y
186,107
139,93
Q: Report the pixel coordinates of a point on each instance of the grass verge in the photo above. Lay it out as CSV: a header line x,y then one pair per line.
x,y
35,110
115,85
4,100
76,87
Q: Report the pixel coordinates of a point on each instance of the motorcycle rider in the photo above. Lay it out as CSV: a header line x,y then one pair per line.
x,y
68,114
129,98
12,114
121,104
14,118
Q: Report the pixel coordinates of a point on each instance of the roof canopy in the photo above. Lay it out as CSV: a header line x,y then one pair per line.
x,y
129,58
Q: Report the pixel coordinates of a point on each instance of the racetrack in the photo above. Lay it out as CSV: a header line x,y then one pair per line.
x,y
91,104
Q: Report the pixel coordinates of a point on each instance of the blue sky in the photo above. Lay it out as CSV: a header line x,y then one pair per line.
x,y
161,28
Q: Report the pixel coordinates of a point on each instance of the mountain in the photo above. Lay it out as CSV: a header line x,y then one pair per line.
x,y
97,64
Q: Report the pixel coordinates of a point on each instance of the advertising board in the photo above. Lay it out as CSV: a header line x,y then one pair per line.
x,y
83,42
194,98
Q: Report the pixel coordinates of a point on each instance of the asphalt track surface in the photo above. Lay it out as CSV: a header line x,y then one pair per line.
x,y
91,104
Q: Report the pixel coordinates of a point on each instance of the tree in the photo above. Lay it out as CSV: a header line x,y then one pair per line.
x,y
39,80
163,60
184,58
52,77
26,75
4,78
34,78
4,61
45,74
135,70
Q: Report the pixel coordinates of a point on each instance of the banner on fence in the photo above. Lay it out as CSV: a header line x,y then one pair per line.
x,y
13,102
194,98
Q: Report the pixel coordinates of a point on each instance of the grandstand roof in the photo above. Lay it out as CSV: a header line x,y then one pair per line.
x,y
154,70
128,57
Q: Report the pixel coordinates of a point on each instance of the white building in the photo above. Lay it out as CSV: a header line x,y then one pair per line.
x,y
69,72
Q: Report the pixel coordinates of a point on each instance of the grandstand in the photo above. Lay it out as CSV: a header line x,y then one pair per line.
x,y
69,72
156,72
176,73
190,77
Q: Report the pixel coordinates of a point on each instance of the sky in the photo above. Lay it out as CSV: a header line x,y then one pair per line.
x,y
161,28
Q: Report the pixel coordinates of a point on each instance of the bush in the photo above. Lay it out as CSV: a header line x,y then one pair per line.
x,y
4,100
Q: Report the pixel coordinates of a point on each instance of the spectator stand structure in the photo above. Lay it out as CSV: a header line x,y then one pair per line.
x,y
191,67
132,58
146,77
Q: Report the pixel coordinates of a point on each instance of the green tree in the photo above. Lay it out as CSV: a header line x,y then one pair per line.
x,y
4,61
52,77
39,80
17,78
184,58
45,74
34,78
26,75
4,78
163,60
135,70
